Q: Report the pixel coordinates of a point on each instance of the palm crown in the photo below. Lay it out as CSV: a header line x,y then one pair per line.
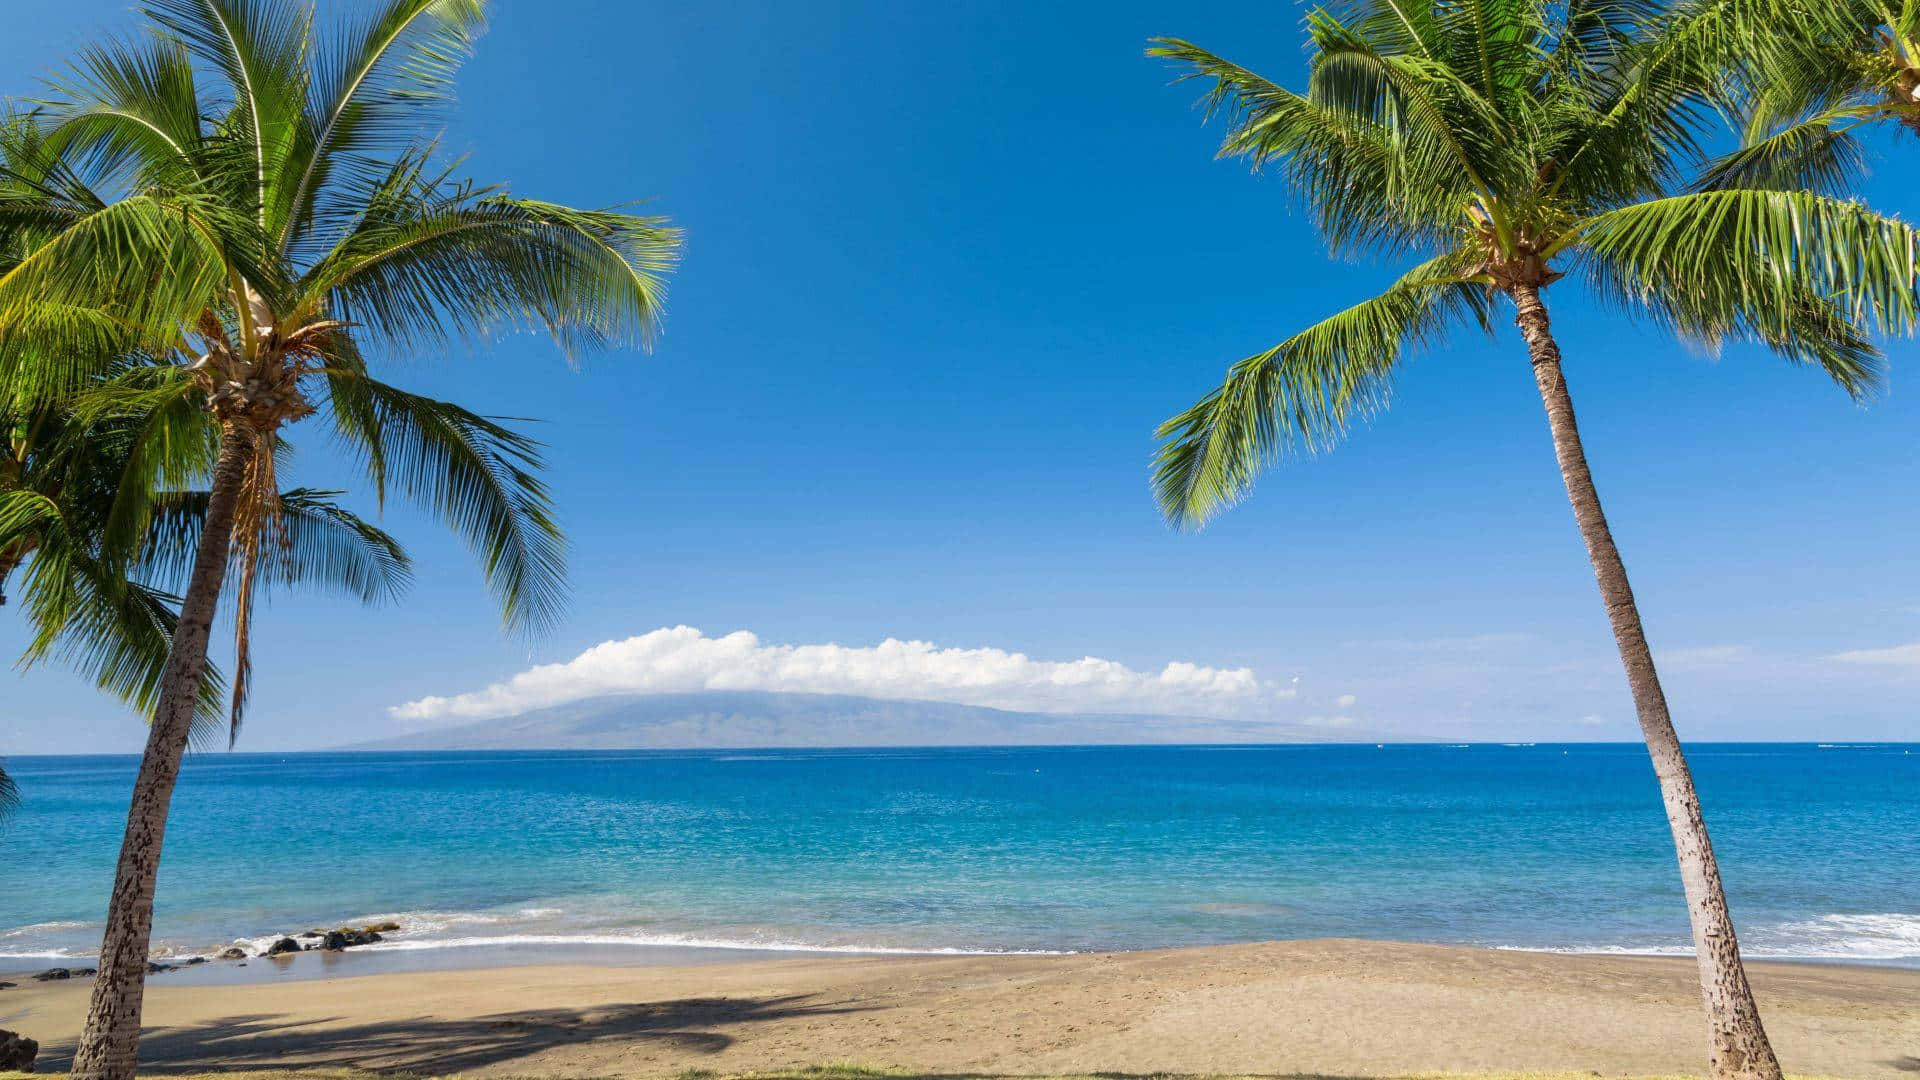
x,y
256,214
1512,145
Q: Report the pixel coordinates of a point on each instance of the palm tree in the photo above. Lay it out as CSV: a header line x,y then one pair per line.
x,y
1507,146
278,216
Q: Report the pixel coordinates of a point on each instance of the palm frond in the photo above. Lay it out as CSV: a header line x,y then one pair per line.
x,y
1818,154
260,48
479,476
322,544
141,263
431,261
1770,265
368,97
84,612
1342,164
1304,393
132,110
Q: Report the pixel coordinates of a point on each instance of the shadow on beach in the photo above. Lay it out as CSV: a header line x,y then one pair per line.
x,y
434,1046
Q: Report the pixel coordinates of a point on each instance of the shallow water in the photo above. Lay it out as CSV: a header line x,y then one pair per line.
x,y
512,854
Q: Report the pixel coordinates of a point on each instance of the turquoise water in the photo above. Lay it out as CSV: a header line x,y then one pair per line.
x,y
1543,847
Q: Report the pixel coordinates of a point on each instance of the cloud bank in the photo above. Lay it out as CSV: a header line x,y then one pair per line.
x,y
682,659
1898,655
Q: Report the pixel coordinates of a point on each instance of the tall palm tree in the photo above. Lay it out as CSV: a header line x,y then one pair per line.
x,y
1508,146
279,216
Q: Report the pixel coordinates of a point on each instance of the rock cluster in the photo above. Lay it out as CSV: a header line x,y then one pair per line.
x,y
154,967
52,974
347,936
17,1052
340,938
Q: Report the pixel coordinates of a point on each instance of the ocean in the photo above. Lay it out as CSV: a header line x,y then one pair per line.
x,y
649,853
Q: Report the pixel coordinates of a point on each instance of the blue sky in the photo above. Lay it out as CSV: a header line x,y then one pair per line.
x,y
947,266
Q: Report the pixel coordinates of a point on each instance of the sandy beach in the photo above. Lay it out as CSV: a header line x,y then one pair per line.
x,y
1336,1007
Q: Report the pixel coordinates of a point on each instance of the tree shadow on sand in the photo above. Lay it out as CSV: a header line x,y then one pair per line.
x,y
428,1045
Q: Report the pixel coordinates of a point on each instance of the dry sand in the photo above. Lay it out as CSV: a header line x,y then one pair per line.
x,y
1332,1008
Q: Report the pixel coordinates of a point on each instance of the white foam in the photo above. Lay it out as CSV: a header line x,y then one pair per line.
x,y
1886,936
42,954
688,941
43,927
1606,950
434,922
1889,936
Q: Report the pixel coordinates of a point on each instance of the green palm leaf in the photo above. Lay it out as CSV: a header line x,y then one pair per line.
x,y
1304,393
1756,262
476,474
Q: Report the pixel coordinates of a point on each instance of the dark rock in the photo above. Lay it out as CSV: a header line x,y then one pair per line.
x,y
233,952
284,945
154,967
51,974
192,960
344,938
17,1052
84,973
8,985
314,933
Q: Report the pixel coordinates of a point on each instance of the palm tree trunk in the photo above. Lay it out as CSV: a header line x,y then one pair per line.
x,y
110,1042
1739,1046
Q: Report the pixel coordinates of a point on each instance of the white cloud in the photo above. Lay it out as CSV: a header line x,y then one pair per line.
x,y
1346,701
1593,720
681,659
1899,655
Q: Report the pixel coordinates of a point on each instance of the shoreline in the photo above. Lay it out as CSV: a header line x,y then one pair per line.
x,y
426,956
1334,1006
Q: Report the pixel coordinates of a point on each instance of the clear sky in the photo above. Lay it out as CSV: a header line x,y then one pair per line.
x,y
947,266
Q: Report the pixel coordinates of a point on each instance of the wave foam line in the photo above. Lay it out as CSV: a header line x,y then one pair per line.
x,y
687,942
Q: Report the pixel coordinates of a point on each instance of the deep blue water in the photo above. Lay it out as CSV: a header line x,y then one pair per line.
x,y
1560,847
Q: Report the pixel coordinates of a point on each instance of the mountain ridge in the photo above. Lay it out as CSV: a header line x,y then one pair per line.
x,y
734,720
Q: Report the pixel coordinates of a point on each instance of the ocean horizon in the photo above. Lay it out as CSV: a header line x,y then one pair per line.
x,y
1559,847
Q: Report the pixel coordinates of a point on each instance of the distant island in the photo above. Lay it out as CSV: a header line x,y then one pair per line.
x,y
738,720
